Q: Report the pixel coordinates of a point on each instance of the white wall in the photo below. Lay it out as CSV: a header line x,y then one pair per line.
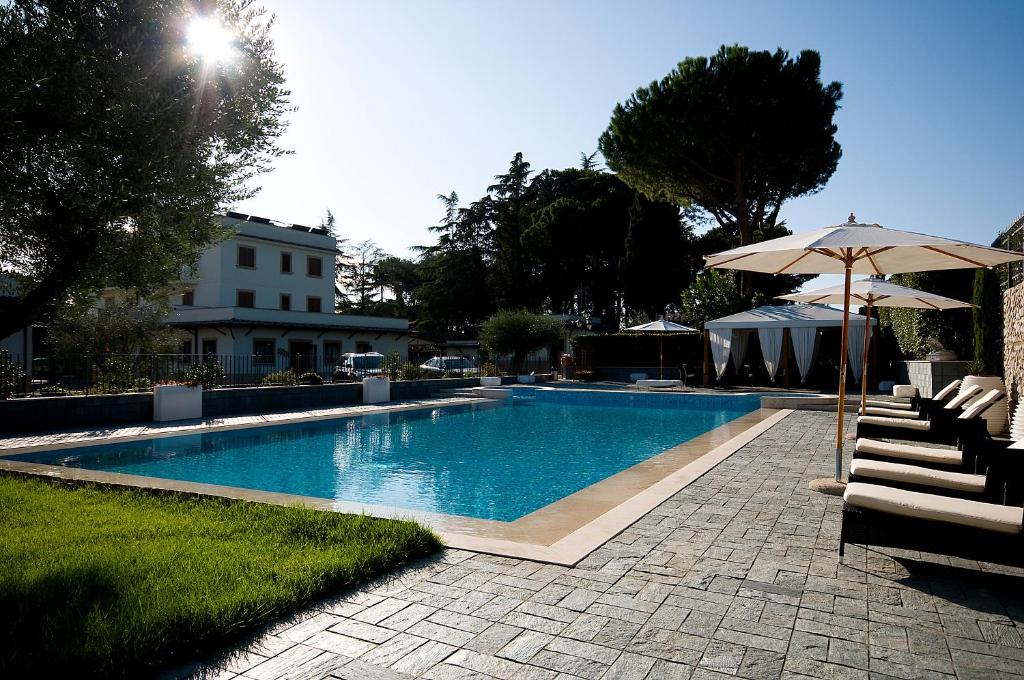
x,y
218,276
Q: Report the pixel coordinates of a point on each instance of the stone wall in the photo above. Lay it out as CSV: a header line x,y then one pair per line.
x,y
930,376
1013,342
41,414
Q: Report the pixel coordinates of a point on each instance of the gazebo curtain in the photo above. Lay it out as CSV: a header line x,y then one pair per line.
x,y
740,339
720,340
805,342
855,352
771,348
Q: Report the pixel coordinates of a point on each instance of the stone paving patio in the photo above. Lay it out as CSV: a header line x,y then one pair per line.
x,y
734,576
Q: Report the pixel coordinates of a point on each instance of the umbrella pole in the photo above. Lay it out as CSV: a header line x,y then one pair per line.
x,y
864,361
661,357
844,344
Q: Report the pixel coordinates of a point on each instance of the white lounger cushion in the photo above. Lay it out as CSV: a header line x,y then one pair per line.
x,y
904,391
915,474
891,412
947,391
982,404
880,403
921,425
966,394
924,454
1002,518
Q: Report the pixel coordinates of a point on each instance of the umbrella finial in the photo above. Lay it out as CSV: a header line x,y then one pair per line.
x,y
852,219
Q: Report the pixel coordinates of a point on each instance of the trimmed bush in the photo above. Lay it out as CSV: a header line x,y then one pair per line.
x,y
285,377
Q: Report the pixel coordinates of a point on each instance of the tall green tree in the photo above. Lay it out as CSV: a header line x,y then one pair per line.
x,y
357,275
736,134
402,278
120,147
510,214
988,321
652,267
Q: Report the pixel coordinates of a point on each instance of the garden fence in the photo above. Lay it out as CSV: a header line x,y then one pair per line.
x,y
114,373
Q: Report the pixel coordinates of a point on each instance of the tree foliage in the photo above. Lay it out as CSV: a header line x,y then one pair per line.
x,y
518,333
736,135
121,327
918,332
988,321
712,295
120,148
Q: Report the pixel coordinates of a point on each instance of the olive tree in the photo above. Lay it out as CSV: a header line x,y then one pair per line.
x,y
121,144
518,333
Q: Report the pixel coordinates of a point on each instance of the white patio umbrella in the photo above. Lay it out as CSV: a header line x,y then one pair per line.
x,y
856,248
661,326
874,292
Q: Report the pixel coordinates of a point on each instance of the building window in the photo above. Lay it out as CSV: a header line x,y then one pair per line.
x,y
286,263
186,347
247,257
286,301
210,348
312,304
245,298
332,352
263,350
314,266
363,347
188,298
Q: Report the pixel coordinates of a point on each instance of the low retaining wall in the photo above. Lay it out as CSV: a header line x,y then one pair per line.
x,y
930,376
41,414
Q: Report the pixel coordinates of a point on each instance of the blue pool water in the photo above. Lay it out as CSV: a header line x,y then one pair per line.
x,y
488,460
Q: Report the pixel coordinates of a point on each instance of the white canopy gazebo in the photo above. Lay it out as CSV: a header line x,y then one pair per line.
x,y
774,325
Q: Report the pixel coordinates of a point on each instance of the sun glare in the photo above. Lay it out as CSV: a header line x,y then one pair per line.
x,y
210,40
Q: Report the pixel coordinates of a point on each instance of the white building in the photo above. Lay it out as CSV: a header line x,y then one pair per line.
x,y
268,292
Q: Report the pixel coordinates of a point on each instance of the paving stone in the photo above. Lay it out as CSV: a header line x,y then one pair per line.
x,y
394,649
498,668
525,645
363,631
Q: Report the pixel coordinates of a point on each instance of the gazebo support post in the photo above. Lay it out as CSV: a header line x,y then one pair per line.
x,y
661,357
707,356
864,360
786,340
844,348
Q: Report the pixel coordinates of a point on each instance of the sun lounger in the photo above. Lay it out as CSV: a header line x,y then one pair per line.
x,y
883,516
929,480
941,425
921,409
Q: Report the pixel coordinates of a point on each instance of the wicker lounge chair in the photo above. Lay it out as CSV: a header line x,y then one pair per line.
x,y
939,427
922,407
876,515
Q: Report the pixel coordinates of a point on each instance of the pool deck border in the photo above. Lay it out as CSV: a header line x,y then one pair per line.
x,y
563,532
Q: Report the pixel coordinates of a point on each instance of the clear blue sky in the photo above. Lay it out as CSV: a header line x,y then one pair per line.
x,y
400,101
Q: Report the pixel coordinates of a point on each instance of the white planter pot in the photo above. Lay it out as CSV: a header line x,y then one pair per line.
x,y
995,415
376,390
492,381
177,402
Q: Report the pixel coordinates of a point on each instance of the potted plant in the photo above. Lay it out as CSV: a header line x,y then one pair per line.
x,y
177,401
489,375
996,416
376,390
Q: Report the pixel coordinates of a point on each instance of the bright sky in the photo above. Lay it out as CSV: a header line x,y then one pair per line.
x,y
400,101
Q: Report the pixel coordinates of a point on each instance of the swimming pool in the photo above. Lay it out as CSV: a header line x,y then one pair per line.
x,y
487,460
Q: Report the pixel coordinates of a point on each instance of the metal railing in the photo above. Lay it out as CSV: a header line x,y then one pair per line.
x,y
118,373
1012,238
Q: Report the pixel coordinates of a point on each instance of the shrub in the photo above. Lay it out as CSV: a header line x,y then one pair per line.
x,y
209,374
11,375
410,372
489,370
115,376
285,377
310,378
54,391
391,366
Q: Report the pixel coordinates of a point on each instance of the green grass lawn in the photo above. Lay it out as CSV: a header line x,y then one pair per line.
x,y
108,582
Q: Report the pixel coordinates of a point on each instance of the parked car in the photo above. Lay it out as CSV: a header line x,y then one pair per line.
x,y
351,366
443,365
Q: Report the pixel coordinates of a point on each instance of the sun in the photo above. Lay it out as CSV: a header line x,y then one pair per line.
x,y
210,40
